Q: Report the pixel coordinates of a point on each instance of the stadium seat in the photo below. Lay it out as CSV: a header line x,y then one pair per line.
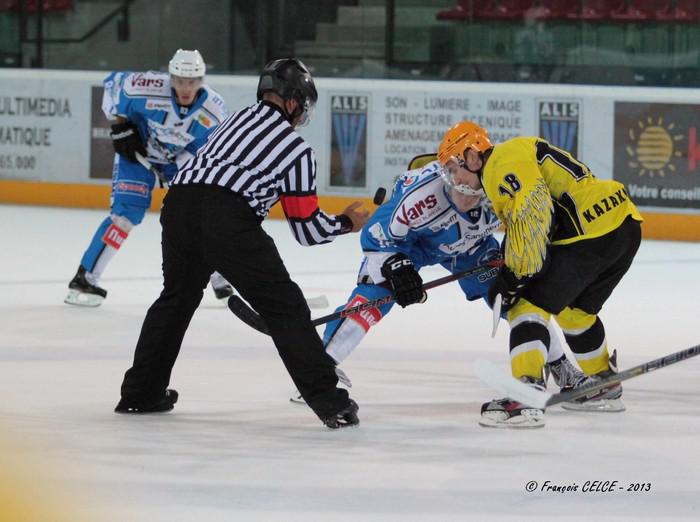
x,y
502,10
593,10
641,11
47,5
462,11
685,11
558,9
62,5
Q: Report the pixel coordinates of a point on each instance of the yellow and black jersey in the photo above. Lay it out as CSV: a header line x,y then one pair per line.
x,y
544,196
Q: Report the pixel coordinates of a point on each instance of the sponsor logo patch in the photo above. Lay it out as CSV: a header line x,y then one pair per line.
x,y
366,318
407,214
114,236
157,105
204,120
141,80
131,187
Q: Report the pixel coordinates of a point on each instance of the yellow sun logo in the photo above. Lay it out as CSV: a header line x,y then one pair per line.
x,y
653,145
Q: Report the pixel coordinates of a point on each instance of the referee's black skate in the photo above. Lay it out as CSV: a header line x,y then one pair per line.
x,y
165,403
344,418
343,382
83,293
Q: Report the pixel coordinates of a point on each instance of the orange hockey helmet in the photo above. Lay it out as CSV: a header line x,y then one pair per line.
x,y
459,138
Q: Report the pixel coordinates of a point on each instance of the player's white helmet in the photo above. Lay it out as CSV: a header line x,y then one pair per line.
x,y
187,64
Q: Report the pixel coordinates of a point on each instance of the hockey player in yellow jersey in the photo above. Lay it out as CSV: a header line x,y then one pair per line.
x,y
570,238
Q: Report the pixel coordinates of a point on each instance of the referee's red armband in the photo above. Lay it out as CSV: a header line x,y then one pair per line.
x,y
299,207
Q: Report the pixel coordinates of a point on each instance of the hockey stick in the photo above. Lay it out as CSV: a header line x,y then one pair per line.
x,y
490,265
320,301
521,392
245,313
497,304
252,319
149,167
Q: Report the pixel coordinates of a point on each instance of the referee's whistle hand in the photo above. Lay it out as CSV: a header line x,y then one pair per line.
x,y
357,215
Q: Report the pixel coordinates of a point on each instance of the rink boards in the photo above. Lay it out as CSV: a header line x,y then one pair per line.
x,y
55,147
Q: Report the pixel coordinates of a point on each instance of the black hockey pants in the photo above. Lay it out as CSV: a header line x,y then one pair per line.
x,y
208,228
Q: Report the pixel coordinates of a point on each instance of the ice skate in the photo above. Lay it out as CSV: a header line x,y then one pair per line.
x,y
344,418
564,373
343,382
606,400
163,404
505,413
296,397
83,293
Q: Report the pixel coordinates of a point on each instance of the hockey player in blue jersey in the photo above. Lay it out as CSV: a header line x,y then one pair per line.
x,y
164,118
429,220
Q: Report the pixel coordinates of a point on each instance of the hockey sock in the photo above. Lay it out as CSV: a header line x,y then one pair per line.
x,y
350,331
529,343
108,238
590,348
556,350
585,335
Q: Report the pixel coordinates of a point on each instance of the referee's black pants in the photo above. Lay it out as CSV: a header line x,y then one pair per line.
x,y
208,228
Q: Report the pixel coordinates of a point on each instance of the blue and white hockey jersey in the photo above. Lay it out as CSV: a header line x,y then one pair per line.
x,y
421,221
172,134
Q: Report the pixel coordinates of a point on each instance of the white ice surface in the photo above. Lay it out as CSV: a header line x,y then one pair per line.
x,y
234,448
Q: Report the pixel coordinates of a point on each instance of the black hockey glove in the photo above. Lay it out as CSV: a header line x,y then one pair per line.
x,y
405,282
510,288
127,141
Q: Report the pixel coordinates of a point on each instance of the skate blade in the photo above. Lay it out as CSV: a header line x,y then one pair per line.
x,y
296,398
77,298
526,420
601,405
343,377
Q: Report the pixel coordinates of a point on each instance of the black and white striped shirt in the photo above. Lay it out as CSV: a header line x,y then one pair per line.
x,y
256,153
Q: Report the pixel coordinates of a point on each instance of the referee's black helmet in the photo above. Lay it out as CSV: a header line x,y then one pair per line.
x,y
290,79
